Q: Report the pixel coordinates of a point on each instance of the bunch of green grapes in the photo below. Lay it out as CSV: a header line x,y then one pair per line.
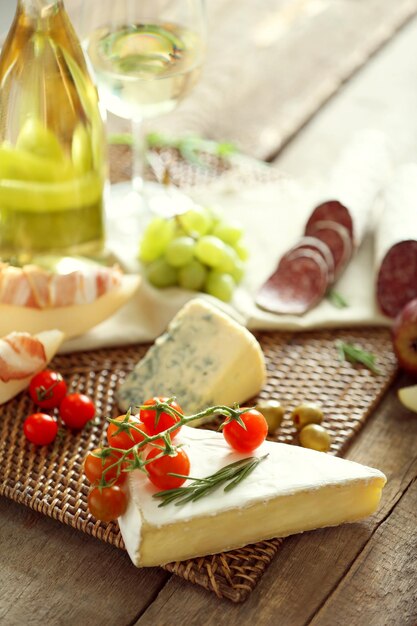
x,y
196,250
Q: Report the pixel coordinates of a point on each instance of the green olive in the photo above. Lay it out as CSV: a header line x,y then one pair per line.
x,y
315,437
306,413
273,412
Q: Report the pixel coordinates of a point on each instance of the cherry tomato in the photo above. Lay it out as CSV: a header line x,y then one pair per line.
x,y
40,428
128,437
159,469
246,440
108,503
76,410
149,417
47,389
95,464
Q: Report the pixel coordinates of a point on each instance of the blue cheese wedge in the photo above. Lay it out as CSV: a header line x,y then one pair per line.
x,y
292,490
204,358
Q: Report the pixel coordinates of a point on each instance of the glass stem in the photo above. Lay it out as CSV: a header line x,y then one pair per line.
x,y
139,155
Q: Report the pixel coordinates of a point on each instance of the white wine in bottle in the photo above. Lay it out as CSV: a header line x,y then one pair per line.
x,y
52,156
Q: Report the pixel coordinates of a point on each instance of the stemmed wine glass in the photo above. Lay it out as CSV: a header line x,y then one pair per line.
x,y
146,56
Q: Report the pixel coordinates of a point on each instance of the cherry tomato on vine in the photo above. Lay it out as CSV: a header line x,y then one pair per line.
x,y
246,440
159,469
47,389
149,417
40,429
126,438
108,503
76,410
95,465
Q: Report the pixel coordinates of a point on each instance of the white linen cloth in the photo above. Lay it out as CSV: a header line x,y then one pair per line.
x,y
274,215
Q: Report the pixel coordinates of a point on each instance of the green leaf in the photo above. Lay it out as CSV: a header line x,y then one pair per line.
x,y
336,299
355,354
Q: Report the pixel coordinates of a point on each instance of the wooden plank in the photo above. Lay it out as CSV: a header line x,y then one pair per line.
x,y
368,596
309,567
52,574
379,96
269,70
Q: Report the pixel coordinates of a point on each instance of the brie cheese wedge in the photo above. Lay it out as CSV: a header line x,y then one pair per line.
x,y
204,358
293,490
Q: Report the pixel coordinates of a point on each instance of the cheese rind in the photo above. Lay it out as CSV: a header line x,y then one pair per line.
x,y
292,490
204,358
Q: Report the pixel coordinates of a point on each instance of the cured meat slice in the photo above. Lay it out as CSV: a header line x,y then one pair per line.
x,y
337,238
332,211
35,287
15,287
312,243
396,243
20,356
39,281
297,285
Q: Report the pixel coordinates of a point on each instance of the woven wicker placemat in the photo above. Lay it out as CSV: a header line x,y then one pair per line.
x,y
303,366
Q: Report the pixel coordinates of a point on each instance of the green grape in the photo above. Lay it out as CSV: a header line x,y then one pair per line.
x,y
34,137
228,231
229,260
160,274
81,153
192,276
210,250
180,251
238,272
158,234
241,250
197,221
220,285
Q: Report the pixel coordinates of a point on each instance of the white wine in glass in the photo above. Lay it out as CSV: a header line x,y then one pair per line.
x,y
143,70
146,56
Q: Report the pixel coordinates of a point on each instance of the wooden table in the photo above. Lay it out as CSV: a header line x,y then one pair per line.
x,y
360,574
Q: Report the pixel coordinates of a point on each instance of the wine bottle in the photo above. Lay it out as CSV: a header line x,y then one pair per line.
x,y
52,149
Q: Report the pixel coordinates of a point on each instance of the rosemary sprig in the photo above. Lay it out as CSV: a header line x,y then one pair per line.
x,y
335,298
355,354
232,474
190,147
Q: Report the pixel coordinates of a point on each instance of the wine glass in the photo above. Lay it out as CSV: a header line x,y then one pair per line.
x,y
146,56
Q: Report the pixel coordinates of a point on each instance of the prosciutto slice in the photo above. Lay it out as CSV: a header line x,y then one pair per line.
x,y
33,286
20,356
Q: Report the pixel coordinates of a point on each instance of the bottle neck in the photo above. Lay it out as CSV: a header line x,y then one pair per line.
x,y
39,8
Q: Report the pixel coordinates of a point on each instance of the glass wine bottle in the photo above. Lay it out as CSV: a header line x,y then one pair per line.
x,y
52,155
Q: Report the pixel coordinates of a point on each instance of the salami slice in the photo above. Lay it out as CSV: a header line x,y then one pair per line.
x,y
331,211
312,243
396,243
337,238
298,284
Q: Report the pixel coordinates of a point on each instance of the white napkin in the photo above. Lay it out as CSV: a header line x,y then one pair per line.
x,y
273,215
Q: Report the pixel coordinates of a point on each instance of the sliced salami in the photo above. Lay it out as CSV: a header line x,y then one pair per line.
x,y
331,211
312,243
337,238
298,284
396,243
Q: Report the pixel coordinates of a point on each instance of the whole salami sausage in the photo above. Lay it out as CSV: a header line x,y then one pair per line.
x,y
354,184
396,243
